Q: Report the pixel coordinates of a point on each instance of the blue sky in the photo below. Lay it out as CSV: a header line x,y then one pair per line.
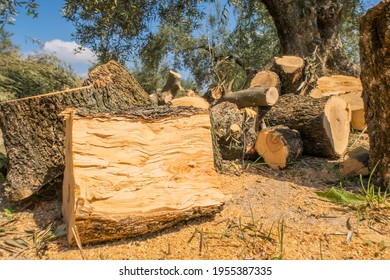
x,y
55,32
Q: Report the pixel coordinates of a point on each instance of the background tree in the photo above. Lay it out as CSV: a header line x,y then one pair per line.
x,y
35,74
9,10
181,33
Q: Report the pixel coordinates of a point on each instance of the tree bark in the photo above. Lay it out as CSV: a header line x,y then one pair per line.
x,y
375,63
33,131
279,146
304,25
324,124
234,132
131,173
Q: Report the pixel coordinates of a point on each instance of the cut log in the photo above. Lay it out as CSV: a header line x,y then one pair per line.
x,y
336,85
324,124
375,63
170,89
266,78
252,97
279,146
234,131
356,164
196,101
290,72
136,172
33,131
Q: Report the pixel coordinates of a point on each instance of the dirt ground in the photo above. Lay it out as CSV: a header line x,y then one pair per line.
x,y
269,215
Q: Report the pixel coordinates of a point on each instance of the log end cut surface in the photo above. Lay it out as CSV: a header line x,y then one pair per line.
x,y
337,123
279,146
131,177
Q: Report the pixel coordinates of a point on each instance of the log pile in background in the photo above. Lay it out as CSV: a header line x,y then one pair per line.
x,y
136,172
170,90
33,131
324,124
266,78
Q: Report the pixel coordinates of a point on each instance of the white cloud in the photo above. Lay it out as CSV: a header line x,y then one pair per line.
x,y
66,51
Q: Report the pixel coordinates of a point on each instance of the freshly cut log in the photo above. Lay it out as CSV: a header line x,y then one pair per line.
x,y
234,132
266,78
324,124
279,146
353,98
290,71
33,131
196,101
137,171
356,163
375,63
170,89
252,97
336,85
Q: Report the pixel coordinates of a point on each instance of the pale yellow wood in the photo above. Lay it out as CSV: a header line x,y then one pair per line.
x,y
336,85
129,173
195,101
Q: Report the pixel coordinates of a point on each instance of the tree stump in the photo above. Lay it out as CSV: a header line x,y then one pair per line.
x,y
33,131
324,124
375,63
279,146
290,71
137,171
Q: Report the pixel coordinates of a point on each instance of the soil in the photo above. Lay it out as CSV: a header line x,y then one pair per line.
x,y
268,215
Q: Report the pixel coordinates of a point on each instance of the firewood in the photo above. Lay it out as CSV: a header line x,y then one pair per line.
x,y
336,85
252,97
279,146
290,72
134,172
356,164
324,124
266,78
234,131
33,131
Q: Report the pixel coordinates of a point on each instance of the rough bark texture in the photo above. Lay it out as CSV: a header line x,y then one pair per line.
x,y
133,173
252,97
233,143
279,146
33,131
304,25
322,123
375,63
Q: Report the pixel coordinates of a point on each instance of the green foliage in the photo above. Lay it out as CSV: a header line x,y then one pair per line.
x,y
35,74
9,10
341,196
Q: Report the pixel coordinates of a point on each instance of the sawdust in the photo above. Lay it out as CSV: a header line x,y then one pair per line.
x,y
270,214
